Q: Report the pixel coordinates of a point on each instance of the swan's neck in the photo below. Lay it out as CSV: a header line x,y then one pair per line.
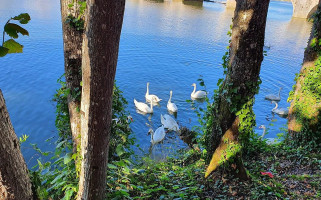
x,y
170,98
147,92
276,106
194,89
152,135
263,134
280,92
151,105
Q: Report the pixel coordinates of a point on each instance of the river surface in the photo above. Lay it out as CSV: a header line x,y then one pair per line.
x,y
169,44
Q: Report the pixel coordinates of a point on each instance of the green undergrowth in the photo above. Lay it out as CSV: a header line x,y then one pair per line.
x,y
289,172
295,174
58,178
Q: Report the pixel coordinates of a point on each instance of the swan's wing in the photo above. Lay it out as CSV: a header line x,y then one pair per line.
x,y
172,107
159,134
154,98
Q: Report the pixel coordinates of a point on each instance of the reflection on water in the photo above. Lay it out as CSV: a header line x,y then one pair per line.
x,y
167,43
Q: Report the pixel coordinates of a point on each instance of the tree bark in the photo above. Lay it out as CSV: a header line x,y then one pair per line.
x,y
305,107
239,86
100,52
72,53
14,179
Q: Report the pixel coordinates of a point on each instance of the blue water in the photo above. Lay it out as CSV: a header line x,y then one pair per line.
x,y
168,44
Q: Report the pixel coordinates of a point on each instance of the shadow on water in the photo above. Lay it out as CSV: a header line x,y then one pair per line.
x,y
156,1
193,3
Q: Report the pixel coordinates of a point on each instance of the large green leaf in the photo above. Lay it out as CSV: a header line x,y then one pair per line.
x,y
13,46
13,29
3,51
23,18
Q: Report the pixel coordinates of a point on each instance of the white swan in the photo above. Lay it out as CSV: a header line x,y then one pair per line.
x,y
269,141
264,131
169,123
272,97
151,97
198,94
280,111
143,107
157,136
171,106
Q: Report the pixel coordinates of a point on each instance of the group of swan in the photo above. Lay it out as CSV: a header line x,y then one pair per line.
x,y
151,98
167,123
283,112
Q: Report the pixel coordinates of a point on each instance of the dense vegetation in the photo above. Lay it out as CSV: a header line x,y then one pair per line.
x,y
282,170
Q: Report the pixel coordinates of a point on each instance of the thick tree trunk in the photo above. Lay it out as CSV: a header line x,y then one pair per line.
x,y
14,179
239,86
100,52
306,104
72,52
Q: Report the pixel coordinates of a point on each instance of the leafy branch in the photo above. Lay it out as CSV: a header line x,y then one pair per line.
x,y
13,29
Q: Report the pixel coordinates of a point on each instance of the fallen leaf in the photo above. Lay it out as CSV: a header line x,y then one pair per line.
x,y
267,173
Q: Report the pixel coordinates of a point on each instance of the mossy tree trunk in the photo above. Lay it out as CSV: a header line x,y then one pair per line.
x,y
100,53
304,114
14,179
240,85
72,37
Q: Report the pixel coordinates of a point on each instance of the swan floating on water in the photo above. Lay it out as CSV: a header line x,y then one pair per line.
x,y
143,107
283,112
198,94
169,123
264,131
272,97
151,97
157,136
171,106
269,140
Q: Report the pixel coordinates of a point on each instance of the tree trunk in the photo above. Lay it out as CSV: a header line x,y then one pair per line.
x,y
306,105
240,84
72,53
14,179
100,52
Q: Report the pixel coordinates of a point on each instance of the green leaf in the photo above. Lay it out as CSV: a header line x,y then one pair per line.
x,y
13,46
120,150
13,29
111,166
67,158
23,18
68,194
3,51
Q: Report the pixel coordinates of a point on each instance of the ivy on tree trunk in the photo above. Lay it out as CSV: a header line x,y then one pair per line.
x,y
305,111
236,92
72,38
